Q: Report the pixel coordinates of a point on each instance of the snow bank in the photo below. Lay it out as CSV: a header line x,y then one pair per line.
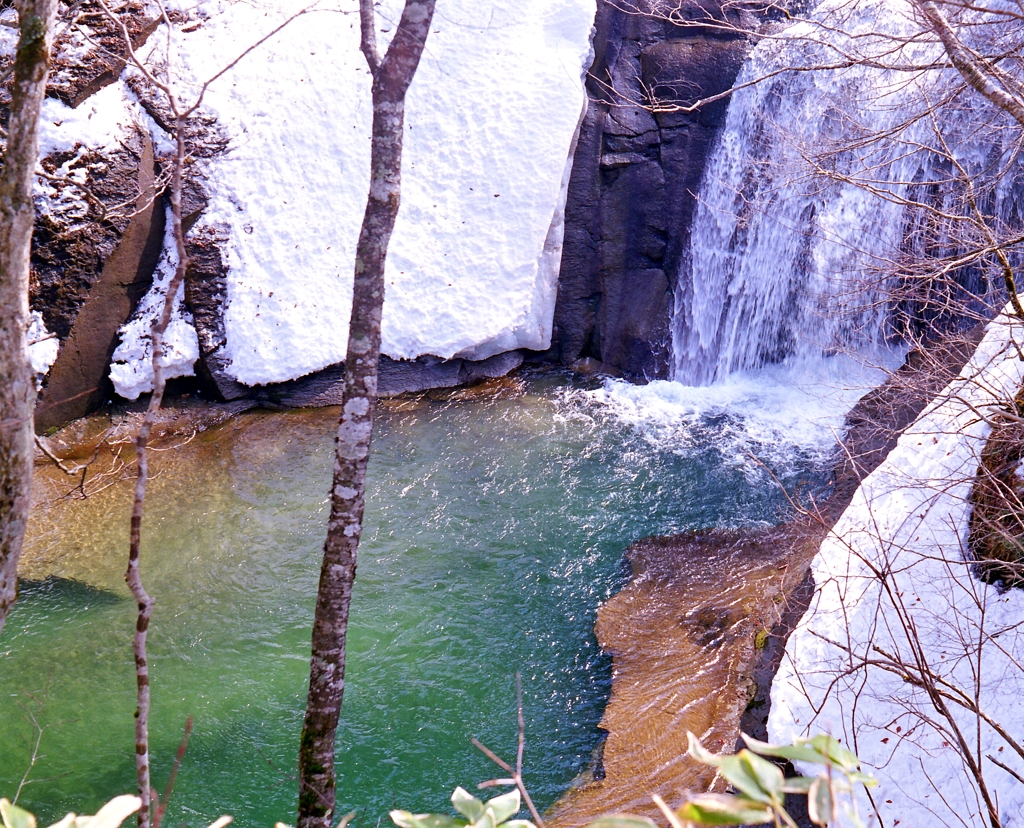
x,y
908,523
131,368
491,120
99,123
491,123
42,345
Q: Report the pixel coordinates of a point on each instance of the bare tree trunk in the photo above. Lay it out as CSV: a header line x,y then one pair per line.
x,y
133,576
391,78
17,386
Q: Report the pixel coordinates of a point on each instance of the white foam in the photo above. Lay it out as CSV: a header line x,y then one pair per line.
x,y
777,414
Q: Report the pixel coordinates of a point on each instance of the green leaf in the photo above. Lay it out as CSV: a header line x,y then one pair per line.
x,y
15,817
796,753
865,779
504,806
698,752
819,802
404,819
837,754
753,776
725,809
769,776
467,804
749,778
622,821
486,821
798,784
518,823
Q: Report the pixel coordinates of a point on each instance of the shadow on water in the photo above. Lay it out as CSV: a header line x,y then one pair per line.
x,y
53,591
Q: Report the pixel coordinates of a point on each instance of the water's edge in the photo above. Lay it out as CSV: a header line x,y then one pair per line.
x,y
717,660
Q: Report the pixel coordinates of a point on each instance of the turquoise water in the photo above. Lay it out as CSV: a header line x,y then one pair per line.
x,y
496,528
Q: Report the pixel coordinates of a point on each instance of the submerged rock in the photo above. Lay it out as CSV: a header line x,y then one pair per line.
x,y
396,377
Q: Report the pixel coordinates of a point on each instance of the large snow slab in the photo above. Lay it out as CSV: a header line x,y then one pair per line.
x,y
491,120
900,544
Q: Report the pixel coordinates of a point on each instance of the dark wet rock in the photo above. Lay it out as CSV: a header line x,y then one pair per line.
x,y
79,227
83,65
588,366
203,137
636,172
205,296
396,377
109,287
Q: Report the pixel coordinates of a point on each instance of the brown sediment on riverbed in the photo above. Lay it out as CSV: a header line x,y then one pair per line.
x,y
683,634
699,632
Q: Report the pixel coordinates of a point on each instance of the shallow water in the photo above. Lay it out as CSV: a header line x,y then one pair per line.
x,y
496,526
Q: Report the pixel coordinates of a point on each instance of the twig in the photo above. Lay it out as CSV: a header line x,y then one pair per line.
x,y
1006,768
516,777
161,807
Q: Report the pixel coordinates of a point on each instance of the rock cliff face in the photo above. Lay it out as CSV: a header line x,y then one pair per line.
x,y
100,227
474,261
637,168
630,199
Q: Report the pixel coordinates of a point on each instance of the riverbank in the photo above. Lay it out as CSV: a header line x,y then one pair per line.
x,y
698,634
907,655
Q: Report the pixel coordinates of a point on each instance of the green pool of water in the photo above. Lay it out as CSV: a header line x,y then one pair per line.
x,y
496,528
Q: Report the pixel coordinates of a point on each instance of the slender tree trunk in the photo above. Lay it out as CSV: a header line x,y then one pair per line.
x,y
133,575
17,386
391,78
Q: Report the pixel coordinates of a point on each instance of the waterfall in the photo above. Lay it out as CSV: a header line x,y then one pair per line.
x,y
802,217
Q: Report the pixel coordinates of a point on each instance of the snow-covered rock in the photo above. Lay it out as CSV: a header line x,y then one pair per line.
x,y
42,345
491,122
892,580
131,368
490,126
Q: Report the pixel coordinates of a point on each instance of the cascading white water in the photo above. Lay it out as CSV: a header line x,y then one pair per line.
x,y
802,210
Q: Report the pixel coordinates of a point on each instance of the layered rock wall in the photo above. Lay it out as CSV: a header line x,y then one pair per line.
x,y
637,168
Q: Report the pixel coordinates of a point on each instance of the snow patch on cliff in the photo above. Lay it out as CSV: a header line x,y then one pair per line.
x,y
131,368
98,122
490,123
42,345
909,520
